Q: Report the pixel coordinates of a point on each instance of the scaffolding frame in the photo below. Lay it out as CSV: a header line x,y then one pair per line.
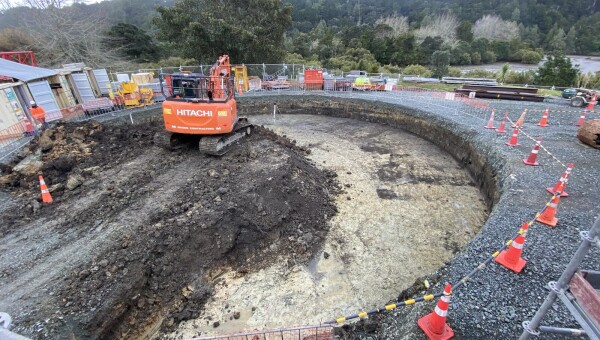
x,y
560,289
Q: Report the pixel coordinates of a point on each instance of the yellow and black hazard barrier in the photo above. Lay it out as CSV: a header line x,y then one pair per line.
x,y
507,244
363,315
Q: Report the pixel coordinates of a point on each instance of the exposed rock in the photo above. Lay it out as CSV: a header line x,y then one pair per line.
x,y
46,142
35,205
30,166
74,180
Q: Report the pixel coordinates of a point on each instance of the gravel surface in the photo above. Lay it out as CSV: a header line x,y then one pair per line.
x,y
495,302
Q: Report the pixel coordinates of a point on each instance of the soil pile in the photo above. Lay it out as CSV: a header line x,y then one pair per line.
x,y
590,133
138,236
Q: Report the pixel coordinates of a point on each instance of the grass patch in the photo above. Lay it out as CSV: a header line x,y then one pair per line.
x,y
548,92
439,87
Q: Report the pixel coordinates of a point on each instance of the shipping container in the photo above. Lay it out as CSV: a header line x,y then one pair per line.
x,y
62,91
102,80
82,81
12,110
42,94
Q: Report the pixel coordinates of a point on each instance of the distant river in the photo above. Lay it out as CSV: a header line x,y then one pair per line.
x,y
586,64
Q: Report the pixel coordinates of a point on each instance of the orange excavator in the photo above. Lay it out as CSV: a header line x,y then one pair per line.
x,y
202,108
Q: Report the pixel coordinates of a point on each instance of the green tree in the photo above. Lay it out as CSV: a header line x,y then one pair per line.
x,y
405,50
353,59
431,44
570,40
558,71
588,31
557,41
501,49
440,60
132,42
461,54
464,31
516,15
249,31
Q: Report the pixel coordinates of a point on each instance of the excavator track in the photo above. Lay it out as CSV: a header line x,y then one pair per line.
x,y
167,140
221,144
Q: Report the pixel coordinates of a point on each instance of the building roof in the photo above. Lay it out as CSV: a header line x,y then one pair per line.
x,y
23,72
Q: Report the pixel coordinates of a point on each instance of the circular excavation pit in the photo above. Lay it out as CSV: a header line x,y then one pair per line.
x,y
141,241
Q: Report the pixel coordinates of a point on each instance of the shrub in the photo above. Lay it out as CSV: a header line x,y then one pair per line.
x,y
454,72
475,58
417,70
531,57
488,57
480,73
391,69
515,77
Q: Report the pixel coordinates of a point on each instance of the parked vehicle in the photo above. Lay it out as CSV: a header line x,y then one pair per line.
x,y
362,84
569,93
583,97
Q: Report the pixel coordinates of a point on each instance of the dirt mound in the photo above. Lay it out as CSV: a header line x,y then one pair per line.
x,y
589,133
158,227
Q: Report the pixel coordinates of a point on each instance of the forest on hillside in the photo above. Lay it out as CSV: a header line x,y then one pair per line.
x,y
372,35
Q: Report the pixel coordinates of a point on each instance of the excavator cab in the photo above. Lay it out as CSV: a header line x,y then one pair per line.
x,y
199,88
202,106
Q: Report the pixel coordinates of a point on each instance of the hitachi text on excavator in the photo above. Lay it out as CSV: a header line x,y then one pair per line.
x,y
201,108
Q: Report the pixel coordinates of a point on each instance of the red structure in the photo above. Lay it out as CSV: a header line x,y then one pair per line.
x,y
21,57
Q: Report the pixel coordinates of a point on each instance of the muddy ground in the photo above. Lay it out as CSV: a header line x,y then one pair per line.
x,y
407,208
137,236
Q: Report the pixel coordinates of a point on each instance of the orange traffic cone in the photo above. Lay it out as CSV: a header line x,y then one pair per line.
x,y
581,119
434,324
46,197
531,160
490,124
502,127
544,121
591,104
521,119
511,258
548,215
514,139
562,182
